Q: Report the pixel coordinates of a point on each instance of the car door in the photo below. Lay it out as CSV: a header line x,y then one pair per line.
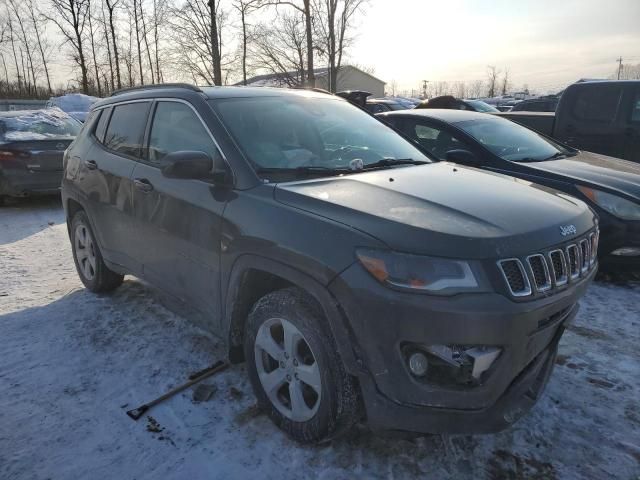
x,y
178,221
632,128
590,120
105,178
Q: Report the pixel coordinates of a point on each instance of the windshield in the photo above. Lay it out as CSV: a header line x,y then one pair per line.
x,y
511,141
295,132
38,125
481,106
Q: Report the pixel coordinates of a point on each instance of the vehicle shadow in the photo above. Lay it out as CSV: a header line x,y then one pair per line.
x,y
22,217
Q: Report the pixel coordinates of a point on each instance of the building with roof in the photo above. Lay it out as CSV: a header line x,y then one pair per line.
x,y
349,78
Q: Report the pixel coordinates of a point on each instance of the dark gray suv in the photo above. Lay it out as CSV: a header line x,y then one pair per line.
x,y
356,278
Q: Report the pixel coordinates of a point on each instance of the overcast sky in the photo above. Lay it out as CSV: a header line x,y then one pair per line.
x,y
544,43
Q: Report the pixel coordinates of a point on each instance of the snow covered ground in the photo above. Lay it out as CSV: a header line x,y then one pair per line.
x,y
72,363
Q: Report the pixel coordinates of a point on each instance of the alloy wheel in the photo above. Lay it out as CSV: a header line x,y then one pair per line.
x,y
85,252
287,369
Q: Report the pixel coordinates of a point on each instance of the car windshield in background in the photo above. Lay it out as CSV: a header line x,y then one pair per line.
x,y
511,141
481,106
38,125
320,135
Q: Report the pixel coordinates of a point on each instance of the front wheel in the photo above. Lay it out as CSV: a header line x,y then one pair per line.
x,y
295,369
93,272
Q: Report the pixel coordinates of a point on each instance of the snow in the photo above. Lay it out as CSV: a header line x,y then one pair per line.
x,y
72,363
30,125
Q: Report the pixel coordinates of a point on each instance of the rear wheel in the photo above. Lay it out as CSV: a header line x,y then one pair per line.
x,y
93,272
295,369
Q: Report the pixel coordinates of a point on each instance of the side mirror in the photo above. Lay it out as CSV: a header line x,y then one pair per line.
x,y
463,157
187,164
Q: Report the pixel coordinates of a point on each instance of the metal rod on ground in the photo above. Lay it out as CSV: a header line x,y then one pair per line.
x,y
217,367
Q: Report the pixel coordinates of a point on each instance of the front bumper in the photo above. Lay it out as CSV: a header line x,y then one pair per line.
x,y
382,321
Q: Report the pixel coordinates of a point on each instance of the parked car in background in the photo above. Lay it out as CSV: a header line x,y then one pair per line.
x,y
354,276
540,104
450,102
609,185
598,116
76,105
32,144
378,105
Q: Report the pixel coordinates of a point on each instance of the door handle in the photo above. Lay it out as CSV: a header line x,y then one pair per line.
x,y
90,164
143,185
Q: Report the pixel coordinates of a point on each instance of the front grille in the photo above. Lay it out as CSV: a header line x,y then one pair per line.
x,y
550,270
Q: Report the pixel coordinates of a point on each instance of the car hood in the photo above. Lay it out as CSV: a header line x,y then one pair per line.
x,y
443,209
597,170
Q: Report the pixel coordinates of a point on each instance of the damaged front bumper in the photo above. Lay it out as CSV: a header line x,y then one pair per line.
x,y
486,359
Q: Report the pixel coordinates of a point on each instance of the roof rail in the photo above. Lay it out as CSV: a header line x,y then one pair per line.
x,y
156,85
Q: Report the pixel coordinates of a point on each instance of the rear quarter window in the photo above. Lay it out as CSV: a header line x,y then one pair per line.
x,y
101,127
126,128
597,104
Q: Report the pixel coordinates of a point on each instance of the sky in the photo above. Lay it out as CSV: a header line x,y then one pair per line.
x,y
545,44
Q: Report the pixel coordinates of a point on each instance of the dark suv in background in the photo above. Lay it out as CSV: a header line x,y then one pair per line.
x,y
355,277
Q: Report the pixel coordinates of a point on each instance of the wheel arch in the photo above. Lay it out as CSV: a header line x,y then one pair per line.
x,y
252,277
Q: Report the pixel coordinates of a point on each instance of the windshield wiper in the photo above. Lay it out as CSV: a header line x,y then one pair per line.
x,y
390,162
556,156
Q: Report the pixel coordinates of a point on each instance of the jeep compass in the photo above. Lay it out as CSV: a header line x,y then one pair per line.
x,y
356,278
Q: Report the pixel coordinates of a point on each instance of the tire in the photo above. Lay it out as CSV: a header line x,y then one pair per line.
x,y
292,327
93,272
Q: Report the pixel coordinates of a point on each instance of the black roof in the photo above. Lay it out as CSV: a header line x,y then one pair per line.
x,y
209,92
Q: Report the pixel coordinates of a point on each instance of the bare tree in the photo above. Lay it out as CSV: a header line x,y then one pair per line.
x,y
70,17
146,40
335,17
111,6
476,88
304,8
505,82
197,39
245,8
39,26
12,40
105,31
25,40
280,48
492,80
93,49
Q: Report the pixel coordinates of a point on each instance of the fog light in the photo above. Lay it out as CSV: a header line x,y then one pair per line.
x,y
627,252
418,364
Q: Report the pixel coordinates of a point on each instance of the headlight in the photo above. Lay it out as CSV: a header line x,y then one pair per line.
x,y
419,273
613,204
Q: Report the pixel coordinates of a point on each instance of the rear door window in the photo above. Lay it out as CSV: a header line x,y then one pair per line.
x,y
598,104
126,128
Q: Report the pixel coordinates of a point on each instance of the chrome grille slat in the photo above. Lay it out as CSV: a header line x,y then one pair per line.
x,y
573,261
584,255
558,267
541,277
517,281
